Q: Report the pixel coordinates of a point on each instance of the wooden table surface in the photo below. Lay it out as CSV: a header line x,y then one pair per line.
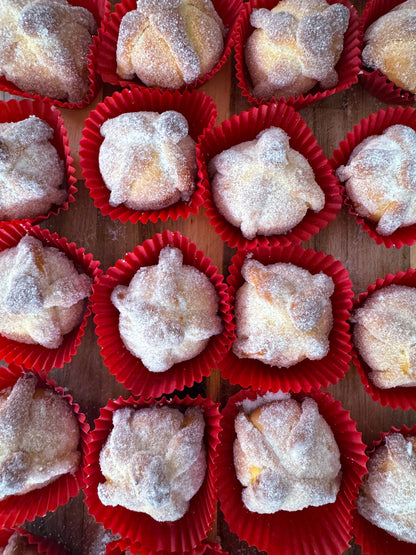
x,y
89,381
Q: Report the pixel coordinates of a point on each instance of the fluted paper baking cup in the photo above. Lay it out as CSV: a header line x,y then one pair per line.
x,y
374,81
374,540
228,11
375,124
245,127
200,112
307,374
128,369
16,509
98,8
13,111
36,356
396,397
179,536
44,546
324,530
347,67
120,548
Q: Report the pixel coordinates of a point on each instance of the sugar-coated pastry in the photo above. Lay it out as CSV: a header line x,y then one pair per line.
x,y
294,46
45,44
264,186
39,437
18,545
390,44
169,43
31,172
154,460
387,497
380,178
42,295
385,335
283,314
148,160
285,456
168,312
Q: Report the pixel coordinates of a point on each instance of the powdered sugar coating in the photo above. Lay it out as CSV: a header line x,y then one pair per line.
x,y
45,44
31,172
283,314
263,186
169,43
387,497
154,460
385,335
168,312
380,178
294,46
286,457
390,44
42,295
39,437
18,545
147,159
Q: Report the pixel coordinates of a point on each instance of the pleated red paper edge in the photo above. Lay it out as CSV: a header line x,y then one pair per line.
x,y
129,369
374,81
37,357
16,509
13,111
200,112
99,9
308,374
375,124
324,530
245,127
347,67
374,540
119,548
228,11
44,546
396,397
182,536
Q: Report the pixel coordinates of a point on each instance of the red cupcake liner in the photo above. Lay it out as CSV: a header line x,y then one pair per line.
x,y
374,540
44,546
347,67
374,81
35,356
13,111
375,124
324,530
120,547
200,112
396,397
228,11
128,369
181,536
308,374
245,127
99,9
16,509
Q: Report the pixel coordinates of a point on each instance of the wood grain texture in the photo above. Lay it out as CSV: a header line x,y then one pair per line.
x,y
88,380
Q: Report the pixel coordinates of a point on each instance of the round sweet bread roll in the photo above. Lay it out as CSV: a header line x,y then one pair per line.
x,y
147,159
169,43
42,297
168,312
154,460
294,46
45,44
380,178
385,336
283,314
387,497
31,172
264,186
285,456
39,437
390,45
